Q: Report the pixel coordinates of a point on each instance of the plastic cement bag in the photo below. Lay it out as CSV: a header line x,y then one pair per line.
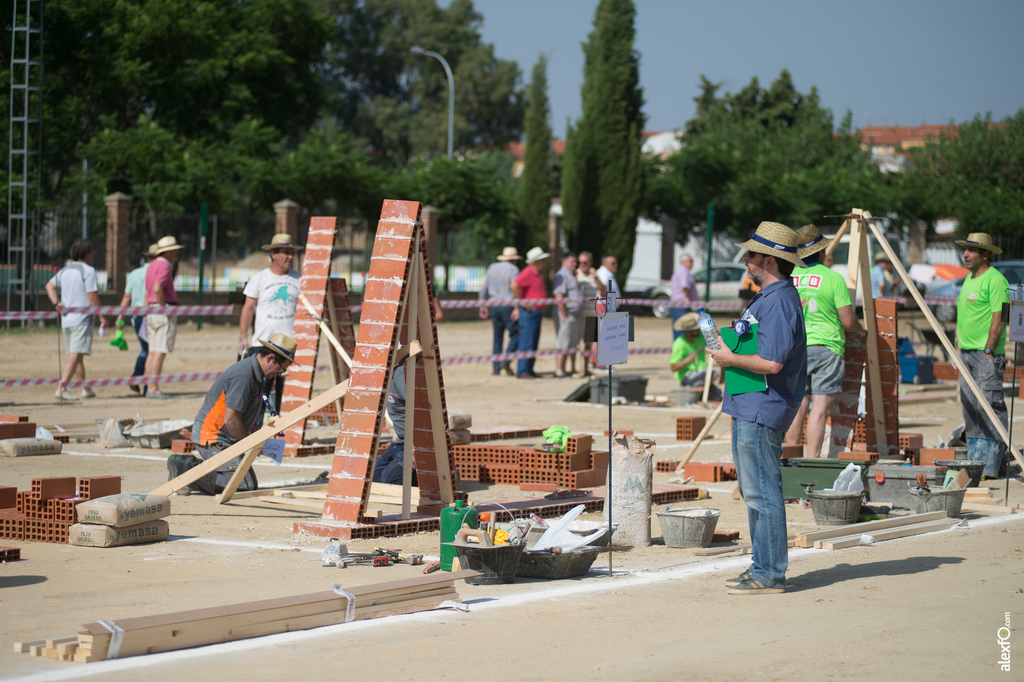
x,y
632,472
849,480
126,509
559,535
91,535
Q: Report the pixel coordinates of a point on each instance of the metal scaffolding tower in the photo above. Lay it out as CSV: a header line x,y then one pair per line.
x,y
26,144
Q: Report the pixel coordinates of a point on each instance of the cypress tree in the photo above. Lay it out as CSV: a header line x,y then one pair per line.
x,y
602,177
533,198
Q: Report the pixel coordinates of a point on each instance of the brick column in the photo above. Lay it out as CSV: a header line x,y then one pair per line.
x,y
286,218
118,216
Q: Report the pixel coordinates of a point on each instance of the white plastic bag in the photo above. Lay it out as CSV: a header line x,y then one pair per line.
x,y
559,535
849,480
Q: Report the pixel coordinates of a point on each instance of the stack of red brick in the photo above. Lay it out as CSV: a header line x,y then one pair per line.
x,y
47,511
578,467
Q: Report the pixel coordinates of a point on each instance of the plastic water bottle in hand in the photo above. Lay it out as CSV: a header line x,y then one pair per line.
x,y
707,327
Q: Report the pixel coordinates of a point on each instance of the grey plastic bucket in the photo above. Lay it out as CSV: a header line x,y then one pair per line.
x,y
834,507
688,527
949,501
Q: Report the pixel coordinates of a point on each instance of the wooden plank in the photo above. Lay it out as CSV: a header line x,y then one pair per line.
x,y
413,294
311,505
378,589
809,538
891,534
859,233
262,492
269,430
242,626
988,508
25,647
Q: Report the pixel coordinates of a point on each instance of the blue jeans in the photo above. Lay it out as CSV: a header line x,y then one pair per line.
x,y
140,362
529,337
501,320
756,450
391,465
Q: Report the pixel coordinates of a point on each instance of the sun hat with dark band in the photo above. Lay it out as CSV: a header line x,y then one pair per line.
x,y
165,244
282,346
809,241
774,239
281,240
980,240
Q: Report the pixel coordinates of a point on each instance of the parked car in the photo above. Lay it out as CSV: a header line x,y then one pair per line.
x,y
1012,270
726,281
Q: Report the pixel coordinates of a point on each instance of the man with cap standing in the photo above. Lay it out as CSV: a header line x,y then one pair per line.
x,y
75,286
828,316
883,281
271,296
232,410
162,329
135,296
497,286
529,284
981,336
761,417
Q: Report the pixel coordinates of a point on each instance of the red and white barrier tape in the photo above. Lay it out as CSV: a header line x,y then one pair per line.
x,y
177,310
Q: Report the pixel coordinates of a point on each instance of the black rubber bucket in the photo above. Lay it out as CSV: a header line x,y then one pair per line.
x,y
973,468
497,565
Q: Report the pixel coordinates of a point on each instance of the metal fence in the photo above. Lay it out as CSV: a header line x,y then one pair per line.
x,y
232,251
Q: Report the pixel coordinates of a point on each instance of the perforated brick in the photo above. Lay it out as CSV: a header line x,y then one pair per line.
x,y
8,497
578,444
52,487
95,487
688,428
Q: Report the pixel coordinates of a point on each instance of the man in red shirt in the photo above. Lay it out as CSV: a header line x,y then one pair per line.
x,y
530,285
160,291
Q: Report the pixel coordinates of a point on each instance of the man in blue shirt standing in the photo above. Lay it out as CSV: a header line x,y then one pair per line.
x,y
760,418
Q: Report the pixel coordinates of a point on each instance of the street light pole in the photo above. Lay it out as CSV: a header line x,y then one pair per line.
x,y
451,90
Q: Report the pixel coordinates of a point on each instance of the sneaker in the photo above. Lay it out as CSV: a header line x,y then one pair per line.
x,y
751,586
185,492
64,394
738,579
507,368
87,392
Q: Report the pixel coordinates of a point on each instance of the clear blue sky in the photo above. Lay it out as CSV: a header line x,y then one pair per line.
x,y
894,62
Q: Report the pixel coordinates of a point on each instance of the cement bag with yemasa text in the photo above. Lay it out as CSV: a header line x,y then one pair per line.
x,y
632,474
92,535
26,447
126,509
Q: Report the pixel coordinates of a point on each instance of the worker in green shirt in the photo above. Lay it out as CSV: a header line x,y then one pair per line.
x,y
688,359
828,317
981,336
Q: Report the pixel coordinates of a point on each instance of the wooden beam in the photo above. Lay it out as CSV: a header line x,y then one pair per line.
x,y
808,539
891,534
946,343
269,430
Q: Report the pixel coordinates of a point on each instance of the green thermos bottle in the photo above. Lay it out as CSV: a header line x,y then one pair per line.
x,y
452,519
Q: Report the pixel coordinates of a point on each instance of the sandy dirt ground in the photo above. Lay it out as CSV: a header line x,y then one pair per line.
x,y
912,608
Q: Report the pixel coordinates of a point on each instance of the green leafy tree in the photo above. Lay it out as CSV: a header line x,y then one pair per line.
x,y
764,155
603,171
398,101
975,175
533,198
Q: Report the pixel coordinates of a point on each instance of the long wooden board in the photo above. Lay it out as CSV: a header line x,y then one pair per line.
x,y
891,534
271,429
808,539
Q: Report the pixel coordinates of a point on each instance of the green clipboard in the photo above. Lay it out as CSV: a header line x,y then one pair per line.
x,y
739,381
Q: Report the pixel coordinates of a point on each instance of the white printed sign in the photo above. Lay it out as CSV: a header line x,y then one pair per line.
x,y
612,338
